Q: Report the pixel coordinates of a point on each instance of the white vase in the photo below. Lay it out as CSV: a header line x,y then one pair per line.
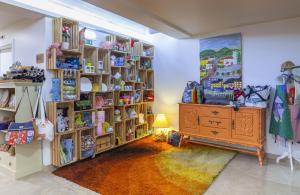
x,y
65,45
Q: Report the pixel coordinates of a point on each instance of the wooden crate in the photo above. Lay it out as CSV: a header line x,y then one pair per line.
x,y
104,56
60,74
103,143
52,57
119,132
149,79
52,114
56,157
90,55
87,131
58,24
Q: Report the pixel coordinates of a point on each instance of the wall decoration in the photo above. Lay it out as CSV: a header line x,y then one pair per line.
x,y
221,63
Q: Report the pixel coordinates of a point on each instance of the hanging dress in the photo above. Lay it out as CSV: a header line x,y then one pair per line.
x,y
280,118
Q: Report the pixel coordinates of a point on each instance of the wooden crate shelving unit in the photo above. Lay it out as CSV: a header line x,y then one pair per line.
x,y
137,80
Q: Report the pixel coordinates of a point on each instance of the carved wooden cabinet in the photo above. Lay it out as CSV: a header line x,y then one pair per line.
x,y
242,130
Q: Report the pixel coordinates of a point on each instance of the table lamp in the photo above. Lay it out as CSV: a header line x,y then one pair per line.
x,y
162,125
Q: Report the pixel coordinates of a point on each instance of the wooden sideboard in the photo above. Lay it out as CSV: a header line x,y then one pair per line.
x,y
222,126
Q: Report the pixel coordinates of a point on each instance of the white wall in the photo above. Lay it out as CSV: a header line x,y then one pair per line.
x,y
265,47
32,37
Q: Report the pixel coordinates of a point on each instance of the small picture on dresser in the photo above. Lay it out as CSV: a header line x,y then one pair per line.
x,y
221,63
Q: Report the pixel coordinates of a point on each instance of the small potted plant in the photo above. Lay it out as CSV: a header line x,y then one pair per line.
x,y
66,37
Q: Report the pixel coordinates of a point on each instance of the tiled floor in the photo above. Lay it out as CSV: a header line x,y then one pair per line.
x,y
242,176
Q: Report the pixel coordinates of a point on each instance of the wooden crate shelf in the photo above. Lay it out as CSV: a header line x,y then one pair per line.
x,y
138,79
58,24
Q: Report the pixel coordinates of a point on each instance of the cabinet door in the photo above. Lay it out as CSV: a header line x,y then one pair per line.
x,y
245,125
188,119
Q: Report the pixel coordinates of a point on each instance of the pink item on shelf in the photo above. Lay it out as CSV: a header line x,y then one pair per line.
x,y
294,110
100,119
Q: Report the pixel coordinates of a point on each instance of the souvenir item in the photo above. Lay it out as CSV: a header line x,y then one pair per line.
x,y
45,127
173,138
294,111
66,150
85,84
117,115
257,96
87,146
66,37
280,116
56,90
87,118
99,101
101,119
104,87
188,94
100,66
96,87
141,118
122,83
21,133
69,85
137,96
62,121
105,126
132,113
83,105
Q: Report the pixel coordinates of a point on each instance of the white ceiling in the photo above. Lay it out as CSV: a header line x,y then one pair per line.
x,y
193,18
11,14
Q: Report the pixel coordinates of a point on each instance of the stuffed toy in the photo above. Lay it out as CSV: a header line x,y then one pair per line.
x,y
61,121
78,121
117,115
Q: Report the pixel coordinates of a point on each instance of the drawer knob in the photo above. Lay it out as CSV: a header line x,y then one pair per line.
x,y
214,132
215,112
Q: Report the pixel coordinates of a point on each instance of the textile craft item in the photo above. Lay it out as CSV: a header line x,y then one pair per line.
x,y
280,116
257,96
295,114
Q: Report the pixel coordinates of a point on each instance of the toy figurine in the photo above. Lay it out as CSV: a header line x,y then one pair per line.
x,y
62,122
112,60
117,115
78,121
132,113
122,83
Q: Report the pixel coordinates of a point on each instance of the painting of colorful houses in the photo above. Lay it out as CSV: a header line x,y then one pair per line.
x,y
220,63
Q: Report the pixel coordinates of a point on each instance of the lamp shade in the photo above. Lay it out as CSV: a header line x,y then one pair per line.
x,y
161,121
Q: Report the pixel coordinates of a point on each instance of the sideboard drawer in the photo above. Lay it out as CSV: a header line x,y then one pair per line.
x,y
211,111
214,132
220,123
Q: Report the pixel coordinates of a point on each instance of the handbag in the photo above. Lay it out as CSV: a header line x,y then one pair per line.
x,y
257,96
44,126
21,133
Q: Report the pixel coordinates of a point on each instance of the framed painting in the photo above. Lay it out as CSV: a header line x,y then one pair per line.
x,y
221,63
